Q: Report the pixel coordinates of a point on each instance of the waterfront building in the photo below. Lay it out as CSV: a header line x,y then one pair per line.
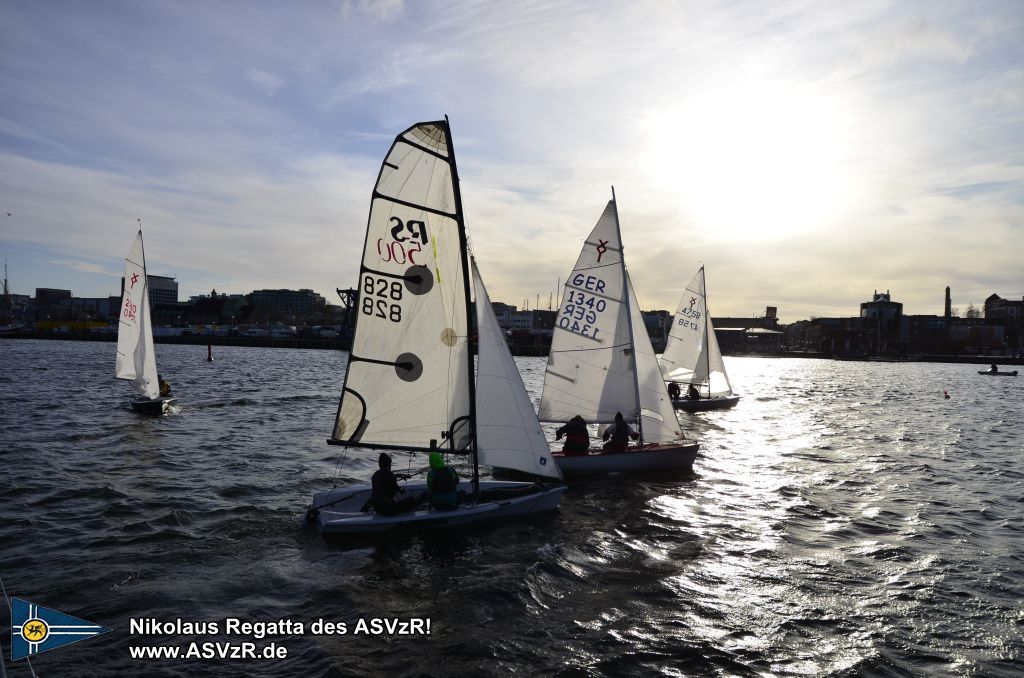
x,y
162,290
297,302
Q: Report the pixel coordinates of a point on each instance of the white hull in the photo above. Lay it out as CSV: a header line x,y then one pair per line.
x,y
339,511
704,404
647,458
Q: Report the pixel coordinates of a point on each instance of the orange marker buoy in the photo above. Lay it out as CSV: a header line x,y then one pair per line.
x,y
946,393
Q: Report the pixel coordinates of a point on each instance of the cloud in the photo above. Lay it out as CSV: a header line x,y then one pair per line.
x,y
268,83
806,155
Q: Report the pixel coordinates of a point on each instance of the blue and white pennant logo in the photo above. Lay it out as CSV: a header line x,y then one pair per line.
x,y
36,629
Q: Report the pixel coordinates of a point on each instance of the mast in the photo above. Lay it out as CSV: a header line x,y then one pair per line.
x,y
145,275
707,321
629,321
460,219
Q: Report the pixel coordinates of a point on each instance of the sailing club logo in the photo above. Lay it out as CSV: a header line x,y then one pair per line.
x,y
36,629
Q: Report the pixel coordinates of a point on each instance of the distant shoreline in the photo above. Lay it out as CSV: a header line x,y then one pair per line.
x,y
342,344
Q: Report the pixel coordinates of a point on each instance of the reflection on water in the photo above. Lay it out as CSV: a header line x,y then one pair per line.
x,y
844,519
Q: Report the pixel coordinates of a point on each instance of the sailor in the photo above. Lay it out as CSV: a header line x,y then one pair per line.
x,y
442,484
385,487
994,369
619,433
577,438
692,393
165,388
673,390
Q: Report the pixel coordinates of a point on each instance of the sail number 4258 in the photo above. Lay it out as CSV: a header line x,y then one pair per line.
x,y
379,297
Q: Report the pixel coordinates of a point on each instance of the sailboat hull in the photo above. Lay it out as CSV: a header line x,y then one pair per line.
x,y
705,404
339,511
653,457
999,374
155,407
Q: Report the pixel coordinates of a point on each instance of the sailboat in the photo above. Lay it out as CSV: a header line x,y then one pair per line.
x,y
601,363
136,359
410,378
692,356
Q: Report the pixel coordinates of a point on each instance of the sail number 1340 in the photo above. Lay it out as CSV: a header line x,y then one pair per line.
x,y
380,296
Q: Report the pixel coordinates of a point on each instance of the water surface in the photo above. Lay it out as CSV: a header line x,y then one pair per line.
x,y
845,519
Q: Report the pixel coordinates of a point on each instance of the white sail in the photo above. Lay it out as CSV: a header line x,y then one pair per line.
x,y
136,359
658,418
407,380
508,432
692,355
590,370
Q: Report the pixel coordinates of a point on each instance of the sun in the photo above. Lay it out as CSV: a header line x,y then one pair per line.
x,y
757,161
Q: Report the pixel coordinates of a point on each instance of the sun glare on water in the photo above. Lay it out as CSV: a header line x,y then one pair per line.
x,y
755,162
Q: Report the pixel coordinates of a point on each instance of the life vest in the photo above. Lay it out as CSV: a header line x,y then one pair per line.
x,y
576,441
443,480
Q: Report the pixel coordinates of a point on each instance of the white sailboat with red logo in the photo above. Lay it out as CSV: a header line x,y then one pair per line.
x,y
136,358
692,358
601,363
410,377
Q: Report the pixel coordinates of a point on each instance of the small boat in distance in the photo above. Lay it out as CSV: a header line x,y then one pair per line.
x,y
692,358
136,358
601,363
994,372
410,378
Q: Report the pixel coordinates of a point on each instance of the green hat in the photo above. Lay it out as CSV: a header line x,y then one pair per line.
x,y
436,460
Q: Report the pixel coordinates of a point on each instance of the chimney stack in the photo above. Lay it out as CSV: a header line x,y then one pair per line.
x,y
949,304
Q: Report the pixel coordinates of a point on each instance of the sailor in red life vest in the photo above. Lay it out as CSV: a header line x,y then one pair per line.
x,y
577,438
620,433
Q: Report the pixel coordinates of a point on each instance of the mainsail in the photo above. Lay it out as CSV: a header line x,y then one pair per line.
x,y
601,359
408,379
692,355
136,359
590,369
508,432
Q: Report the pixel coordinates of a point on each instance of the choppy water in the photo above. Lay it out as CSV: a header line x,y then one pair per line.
x,y
845,519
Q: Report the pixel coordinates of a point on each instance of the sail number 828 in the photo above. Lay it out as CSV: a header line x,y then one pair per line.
x,y
379,295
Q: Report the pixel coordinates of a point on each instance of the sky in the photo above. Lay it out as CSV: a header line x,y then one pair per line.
x,y
807,153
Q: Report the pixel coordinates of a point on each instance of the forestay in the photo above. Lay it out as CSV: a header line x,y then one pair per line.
x,y
407,380
692,354
136,359
590,371
508,432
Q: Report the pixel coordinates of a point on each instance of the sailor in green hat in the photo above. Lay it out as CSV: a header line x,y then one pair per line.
x,y
442,484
